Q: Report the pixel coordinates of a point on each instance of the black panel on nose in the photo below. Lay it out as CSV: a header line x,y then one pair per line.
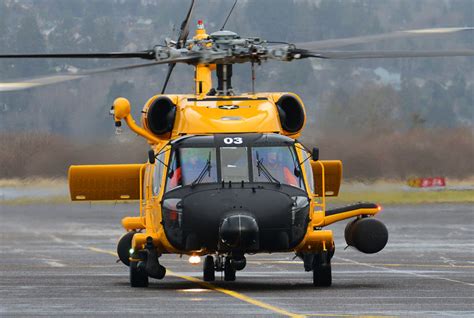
x,y
268,210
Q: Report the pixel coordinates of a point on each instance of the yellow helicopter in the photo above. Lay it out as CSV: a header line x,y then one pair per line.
x,y
226,175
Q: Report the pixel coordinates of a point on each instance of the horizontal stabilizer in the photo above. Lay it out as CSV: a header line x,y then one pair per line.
x,y
332,177
105,182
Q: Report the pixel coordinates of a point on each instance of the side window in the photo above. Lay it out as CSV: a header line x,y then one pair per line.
x,y
174,172
308,170
158,173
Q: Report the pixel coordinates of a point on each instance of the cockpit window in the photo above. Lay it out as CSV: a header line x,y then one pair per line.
x,y
276,164
192,165
234,164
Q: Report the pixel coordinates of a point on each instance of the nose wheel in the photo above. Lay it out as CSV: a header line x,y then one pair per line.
x,y
220,264
229,270
209,272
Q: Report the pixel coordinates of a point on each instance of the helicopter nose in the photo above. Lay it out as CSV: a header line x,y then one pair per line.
x,y
239,231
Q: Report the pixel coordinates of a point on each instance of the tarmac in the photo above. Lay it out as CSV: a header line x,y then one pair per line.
x,y
59,260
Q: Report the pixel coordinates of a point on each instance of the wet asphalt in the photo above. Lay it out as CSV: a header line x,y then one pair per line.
x,y
56,260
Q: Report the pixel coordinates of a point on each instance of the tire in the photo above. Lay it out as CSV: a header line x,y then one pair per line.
x,y
229,271
348,233
123,247
209,274
138,276
322,274
308,261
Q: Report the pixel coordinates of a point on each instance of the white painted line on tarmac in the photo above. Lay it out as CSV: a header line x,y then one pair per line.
x,y
53,263
405,272
365,297
276,262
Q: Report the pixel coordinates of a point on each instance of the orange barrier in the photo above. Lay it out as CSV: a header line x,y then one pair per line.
x,y
427,182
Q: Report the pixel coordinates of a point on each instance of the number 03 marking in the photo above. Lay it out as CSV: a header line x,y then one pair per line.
x,y
235,140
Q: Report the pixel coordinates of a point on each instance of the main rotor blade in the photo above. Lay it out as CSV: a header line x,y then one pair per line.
x,y
148,55
336,43
168,75
184,30
183,36
341,55
59,78
228,16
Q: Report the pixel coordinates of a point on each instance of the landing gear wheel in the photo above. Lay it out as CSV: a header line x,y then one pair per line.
x,y
123,247
209,273
229,271
322,270
138,276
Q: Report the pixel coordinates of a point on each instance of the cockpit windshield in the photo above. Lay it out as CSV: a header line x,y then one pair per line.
x,y
192,165
236,162
276,163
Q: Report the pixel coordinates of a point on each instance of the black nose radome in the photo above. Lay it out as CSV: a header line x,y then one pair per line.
x,y
239,231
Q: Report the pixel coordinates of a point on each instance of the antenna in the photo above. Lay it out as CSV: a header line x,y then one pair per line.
x,y
253,78
228,16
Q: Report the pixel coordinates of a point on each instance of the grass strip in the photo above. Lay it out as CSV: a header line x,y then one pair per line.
x,y
405,197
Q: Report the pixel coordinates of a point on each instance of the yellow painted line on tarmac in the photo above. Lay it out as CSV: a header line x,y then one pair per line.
x,y
99,250
237,295
347,315
245,298
228,292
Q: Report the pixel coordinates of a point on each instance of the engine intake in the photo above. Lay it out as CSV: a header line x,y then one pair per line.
x,y
161,115
291,113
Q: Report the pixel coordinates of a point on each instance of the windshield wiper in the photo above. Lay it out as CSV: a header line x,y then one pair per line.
x,y
261,167
206,168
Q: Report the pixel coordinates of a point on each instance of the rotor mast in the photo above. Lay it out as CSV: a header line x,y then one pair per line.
x,y
203,72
